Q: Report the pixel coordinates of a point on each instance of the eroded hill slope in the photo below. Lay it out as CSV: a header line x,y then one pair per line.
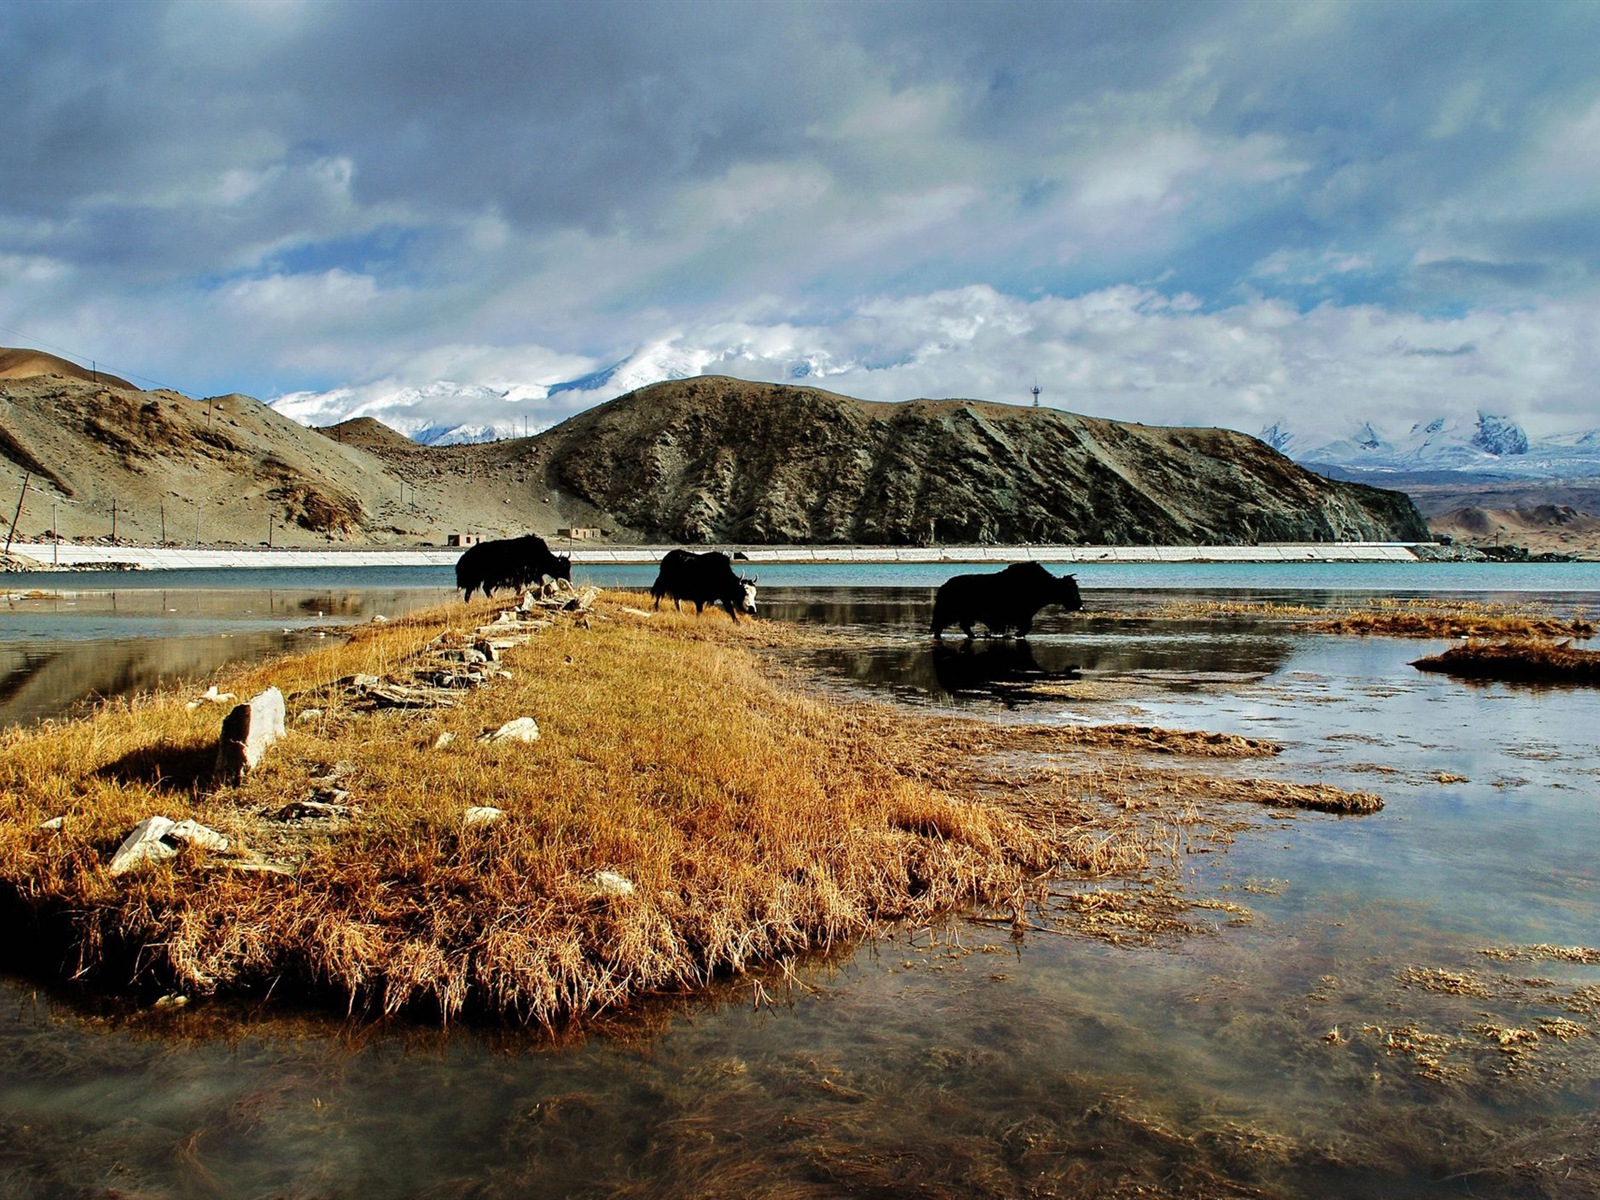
x,y
715,459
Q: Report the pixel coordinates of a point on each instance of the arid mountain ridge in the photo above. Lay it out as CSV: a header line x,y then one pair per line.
x,y
696,461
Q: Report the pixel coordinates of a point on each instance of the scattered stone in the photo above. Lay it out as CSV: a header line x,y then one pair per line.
x,y
332,775
172,1000
54,823
316,808
399,695
482,814
157,837
612,885
211,696
443,740
379,619
247,731
259,866
464,654
309,715
518,729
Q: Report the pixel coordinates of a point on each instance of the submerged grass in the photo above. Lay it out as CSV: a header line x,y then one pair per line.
x,y
1420,618
750,822
1523,659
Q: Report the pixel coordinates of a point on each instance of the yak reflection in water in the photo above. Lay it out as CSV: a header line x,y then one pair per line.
x,y
1005,669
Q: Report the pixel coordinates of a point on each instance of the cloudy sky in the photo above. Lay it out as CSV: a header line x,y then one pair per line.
x,y
1191,213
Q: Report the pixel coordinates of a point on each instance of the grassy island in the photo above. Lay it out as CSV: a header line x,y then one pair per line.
x,y
683,813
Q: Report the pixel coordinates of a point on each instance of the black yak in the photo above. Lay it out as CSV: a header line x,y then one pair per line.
x,y
1004,601
704,579
509,563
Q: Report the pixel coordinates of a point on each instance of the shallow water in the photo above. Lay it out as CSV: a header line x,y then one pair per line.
x,y
79,639
957,1061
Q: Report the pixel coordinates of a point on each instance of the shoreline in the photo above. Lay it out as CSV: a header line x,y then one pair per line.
x,y
76,556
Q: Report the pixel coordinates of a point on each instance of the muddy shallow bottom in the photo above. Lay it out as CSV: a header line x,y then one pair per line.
x,y
1339,1031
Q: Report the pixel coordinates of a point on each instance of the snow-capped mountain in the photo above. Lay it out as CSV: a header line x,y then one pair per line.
x,y
446,412
1493,445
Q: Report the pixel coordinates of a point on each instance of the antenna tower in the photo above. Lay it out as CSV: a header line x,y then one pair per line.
x,y
1036,395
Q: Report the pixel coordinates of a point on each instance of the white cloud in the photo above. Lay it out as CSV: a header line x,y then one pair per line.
x,y
1122,352
332,296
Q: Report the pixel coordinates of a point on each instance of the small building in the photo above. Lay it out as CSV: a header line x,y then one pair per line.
x,y
578,533
462,539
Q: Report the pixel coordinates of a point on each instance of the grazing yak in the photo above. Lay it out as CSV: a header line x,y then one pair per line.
x,y
704,579
1004,601
509,563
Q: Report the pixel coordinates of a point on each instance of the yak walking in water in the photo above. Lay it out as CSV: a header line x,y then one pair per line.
x,y
510,563
704,579
1005,601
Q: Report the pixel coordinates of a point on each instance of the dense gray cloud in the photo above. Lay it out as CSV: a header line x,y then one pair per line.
x,y
300,195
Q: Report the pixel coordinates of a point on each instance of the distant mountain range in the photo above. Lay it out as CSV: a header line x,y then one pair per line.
x,y
1494,447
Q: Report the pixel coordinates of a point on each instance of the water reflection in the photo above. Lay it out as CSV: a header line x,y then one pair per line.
x,y
62,647
47,679
892,648
1004,670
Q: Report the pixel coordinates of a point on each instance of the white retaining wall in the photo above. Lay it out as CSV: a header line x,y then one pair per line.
x,y
168,557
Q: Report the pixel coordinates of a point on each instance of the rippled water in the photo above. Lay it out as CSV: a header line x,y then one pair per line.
x,y
1285,1053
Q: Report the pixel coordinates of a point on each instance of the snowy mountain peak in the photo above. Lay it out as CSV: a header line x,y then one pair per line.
x,y
1499,436
1494,443
1279,438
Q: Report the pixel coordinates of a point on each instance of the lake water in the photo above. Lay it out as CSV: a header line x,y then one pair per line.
x,y
1339,1032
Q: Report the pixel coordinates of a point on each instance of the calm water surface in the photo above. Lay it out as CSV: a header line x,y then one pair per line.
x,y
1310,1045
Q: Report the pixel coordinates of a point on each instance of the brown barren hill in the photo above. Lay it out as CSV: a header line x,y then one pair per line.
x,y
714,459
27,364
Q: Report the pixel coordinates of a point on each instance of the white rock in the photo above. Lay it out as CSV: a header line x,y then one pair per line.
x,y
54,823
310,714
158,837
211,696
609,883
482,814
196,834
247,731
518,729
443,740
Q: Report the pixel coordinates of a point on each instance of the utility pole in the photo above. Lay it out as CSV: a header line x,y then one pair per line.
x,y
113,520
17,516
55,534
163,522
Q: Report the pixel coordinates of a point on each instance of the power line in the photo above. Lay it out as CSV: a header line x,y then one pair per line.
x,y
62,350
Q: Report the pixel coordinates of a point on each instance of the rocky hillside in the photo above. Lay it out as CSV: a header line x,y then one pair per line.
x,y
722,460
694,461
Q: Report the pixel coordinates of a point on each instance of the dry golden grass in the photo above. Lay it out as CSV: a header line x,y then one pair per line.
x,y
1527,660
751,821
